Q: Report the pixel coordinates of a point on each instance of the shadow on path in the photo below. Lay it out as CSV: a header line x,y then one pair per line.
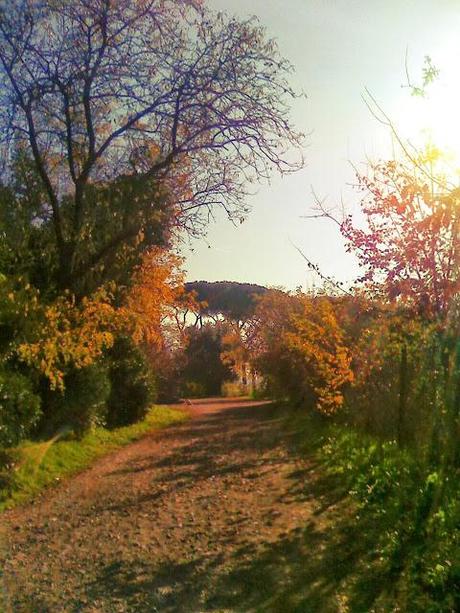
x,y
218,514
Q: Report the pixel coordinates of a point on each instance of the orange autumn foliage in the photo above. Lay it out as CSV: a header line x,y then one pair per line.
x,y
71,334
301,349
156,292
319,339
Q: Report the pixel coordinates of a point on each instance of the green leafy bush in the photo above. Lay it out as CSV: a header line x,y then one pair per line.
x,y
194,389
19,408
132,382
203,363
414,510
82,404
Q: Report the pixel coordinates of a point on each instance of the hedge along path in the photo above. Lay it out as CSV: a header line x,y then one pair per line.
x,y
215,514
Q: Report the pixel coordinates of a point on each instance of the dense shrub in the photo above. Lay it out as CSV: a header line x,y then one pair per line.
x,y
408,514
232,389
203,364
19,408
400,379
167,366
194,389
81,405
133,387
7,463
261,392
301,350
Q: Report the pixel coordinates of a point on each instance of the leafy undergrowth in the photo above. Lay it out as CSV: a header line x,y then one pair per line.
x,y
39,465
402,540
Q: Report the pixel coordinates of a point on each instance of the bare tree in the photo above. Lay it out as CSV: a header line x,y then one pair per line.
x,y
163,91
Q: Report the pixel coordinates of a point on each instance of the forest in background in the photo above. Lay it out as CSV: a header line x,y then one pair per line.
x,y
100,184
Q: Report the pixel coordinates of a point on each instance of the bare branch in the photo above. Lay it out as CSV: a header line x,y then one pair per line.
x,y
315,268
165,90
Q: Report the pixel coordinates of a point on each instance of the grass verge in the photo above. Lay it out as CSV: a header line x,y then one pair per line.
x,y
399,549
40,465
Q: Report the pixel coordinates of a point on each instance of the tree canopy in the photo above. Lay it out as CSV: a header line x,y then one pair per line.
x,y
124,105
229,298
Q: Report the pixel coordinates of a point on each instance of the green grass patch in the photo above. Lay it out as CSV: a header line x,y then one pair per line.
x,y
399,534
40,465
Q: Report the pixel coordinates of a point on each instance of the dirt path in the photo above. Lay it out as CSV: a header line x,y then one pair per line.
x,y
211,515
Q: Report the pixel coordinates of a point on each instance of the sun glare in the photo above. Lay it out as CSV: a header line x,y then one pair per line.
x,y
433,119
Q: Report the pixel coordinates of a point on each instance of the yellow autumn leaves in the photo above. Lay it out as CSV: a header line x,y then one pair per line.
x,y
70,333
300,346
319,339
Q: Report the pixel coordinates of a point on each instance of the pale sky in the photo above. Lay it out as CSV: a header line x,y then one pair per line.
x,y
338,48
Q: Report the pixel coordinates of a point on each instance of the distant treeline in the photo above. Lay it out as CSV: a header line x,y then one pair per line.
x,y
230,298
